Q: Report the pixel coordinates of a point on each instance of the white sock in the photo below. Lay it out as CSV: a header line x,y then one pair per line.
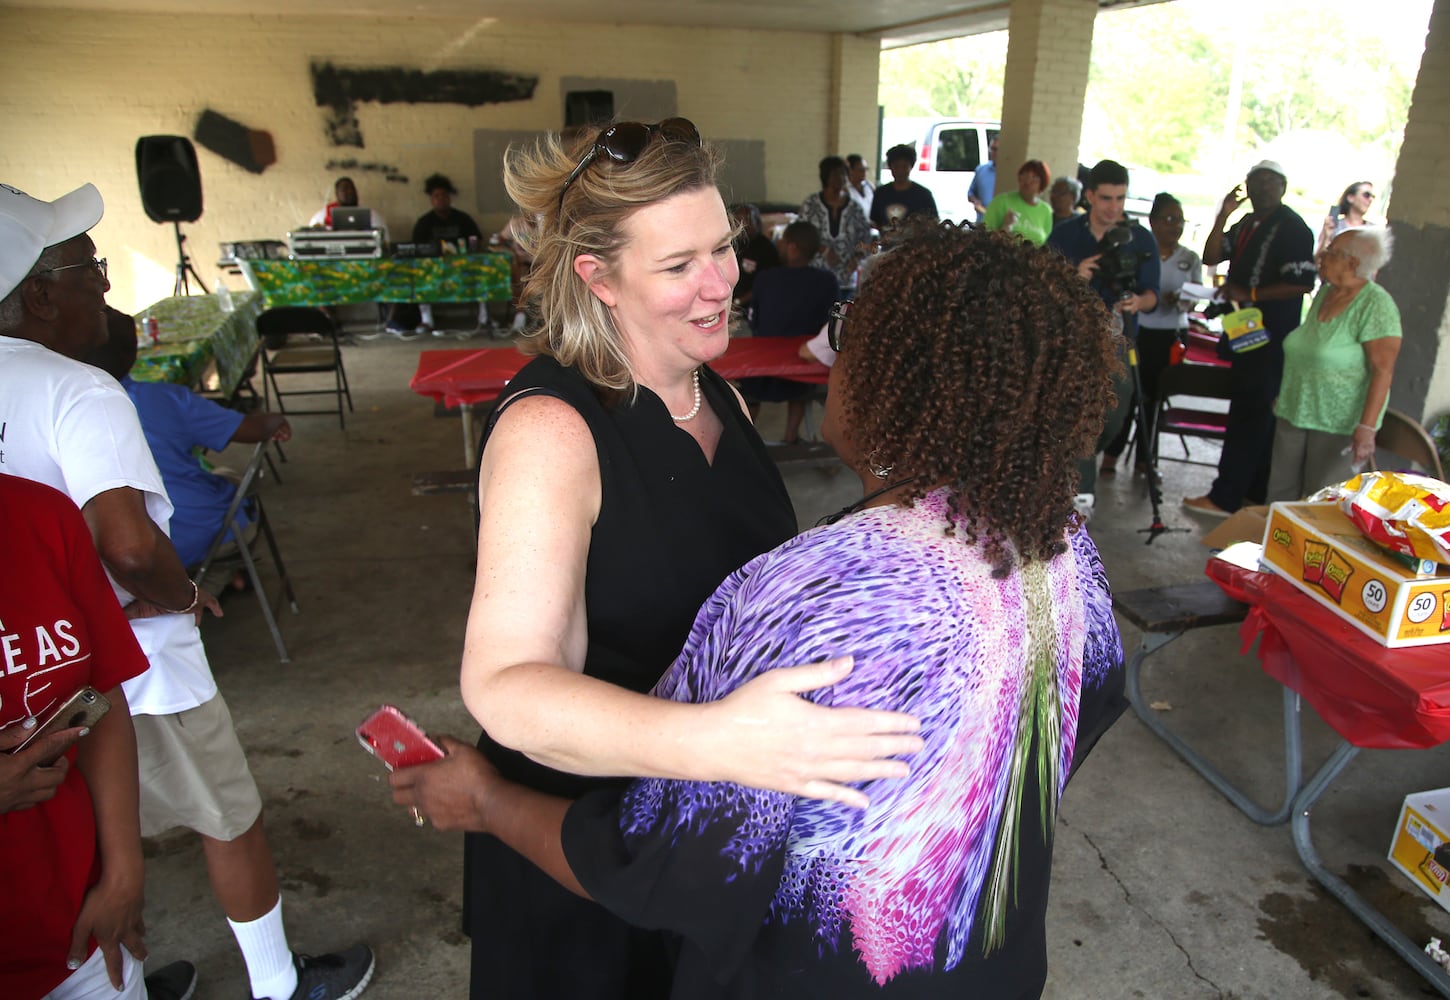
x,y
269,960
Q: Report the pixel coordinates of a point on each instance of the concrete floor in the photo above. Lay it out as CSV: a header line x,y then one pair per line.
x,y
1161,888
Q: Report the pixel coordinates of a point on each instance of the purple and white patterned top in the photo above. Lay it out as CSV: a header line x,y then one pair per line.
x,y
941,883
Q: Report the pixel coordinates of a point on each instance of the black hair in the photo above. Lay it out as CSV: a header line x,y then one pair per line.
x,y
1161,201
854,160
436,181
1106,172
116,356
804,236
829,166
901,151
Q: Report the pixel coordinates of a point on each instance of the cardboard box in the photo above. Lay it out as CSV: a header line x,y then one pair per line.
x,y
1319,550
1244,525
1424,826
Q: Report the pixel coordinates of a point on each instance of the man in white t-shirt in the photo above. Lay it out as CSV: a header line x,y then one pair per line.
x,y
72,427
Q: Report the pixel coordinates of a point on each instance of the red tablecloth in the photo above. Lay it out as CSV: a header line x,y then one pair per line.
x,y
456,378
1373,696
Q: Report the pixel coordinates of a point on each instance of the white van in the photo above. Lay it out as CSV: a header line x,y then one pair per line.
x,y
947,156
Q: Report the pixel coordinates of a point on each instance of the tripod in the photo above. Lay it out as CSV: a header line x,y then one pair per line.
x,y
1145,420
183,267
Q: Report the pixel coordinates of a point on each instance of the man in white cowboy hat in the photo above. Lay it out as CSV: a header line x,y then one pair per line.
x,y
72,427
1271,267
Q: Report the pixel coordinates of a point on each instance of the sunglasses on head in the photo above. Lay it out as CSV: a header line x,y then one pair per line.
x,y
839,312
625,141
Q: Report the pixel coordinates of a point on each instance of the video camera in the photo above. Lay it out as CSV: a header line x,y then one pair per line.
x,y
1117,263
1217,308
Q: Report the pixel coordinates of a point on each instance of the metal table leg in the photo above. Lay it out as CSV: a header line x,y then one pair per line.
x,y
1371,917
1293,752
467,420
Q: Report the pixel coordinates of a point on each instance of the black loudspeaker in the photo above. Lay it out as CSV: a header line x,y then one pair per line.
x,y
170,178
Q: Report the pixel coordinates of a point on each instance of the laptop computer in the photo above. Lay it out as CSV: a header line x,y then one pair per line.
x,y
352,218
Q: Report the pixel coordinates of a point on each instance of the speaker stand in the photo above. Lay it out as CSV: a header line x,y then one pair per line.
x,y
184,268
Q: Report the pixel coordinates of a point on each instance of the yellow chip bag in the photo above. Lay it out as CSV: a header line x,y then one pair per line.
x,y
1402,511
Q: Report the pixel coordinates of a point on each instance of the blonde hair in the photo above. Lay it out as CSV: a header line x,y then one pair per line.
x,y
577,329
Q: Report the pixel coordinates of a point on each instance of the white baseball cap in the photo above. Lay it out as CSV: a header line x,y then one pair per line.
x,y
29,225
1271,166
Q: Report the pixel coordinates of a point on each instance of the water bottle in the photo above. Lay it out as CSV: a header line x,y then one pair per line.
x,y
224,296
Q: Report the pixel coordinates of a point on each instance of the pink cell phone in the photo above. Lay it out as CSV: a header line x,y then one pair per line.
x,y
396,740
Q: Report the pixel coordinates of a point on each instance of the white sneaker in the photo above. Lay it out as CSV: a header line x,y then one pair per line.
x,y
1084,503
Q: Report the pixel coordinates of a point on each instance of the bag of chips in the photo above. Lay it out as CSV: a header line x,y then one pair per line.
x,y
1402,511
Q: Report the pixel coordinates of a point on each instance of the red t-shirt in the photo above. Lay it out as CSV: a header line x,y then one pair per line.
x,y
60,629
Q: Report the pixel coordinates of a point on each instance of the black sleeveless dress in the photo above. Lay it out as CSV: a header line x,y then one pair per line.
x,y
671,527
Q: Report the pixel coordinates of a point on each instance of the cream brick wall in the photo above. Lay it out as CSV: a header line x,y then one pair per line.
x,y
78,89
856,67
1048,52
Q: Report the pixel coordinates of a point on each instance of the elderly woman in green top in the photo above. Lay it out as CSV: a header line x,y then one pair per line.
x,y
1337,369
1024,211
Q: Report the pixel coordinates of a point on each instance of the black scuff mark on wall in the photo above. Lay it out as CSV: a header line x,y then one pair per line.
x,y
352,165
340,90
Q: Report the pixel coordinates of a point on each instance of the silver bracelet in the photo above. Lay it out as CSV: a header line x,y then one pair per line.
x,y
195,600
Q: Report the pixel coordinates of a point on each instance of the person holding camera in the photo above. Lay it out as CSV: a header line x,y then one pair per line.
x,y
1158,330
1350,212
1120,261
1271,267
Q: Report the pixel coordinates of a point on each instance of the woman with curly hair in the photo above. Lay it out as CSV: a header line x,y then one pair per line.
x,y
972,376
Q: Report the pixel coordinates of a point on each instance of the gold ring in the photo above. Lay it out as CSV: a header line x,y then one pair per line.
x,y
418,818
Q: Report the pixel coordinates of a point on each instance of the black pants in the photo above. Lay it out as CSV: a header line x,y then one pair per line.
x,y
1154,348
1243,469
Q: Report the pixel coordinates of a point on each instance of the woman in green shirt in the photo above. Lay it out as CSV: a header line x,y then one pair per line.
x,y
1337,369
1024,211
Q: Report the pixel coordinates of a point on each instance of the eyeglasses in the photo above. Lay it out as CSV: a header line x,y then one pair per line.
x,y
839,312
1368,194
625,141
99,263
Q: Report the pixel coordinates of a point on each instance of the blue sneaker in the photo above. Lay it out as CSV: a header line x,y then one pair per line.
x,y
334,977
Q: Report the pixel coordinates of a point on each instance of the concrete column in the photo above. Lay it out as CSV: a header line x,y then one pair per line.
x,y
1049,46
1419,275
853,100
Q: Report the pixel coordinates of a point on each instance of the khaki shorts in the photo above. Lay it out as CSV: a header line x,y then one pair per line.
x,y
194,773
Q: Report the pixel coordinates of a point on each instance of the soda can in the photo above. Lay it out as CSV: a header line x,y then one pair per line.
x,y
152,329
473,244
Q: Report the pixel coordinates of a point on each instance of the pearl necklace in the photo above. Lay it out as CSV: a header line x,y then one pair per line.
x,y
694,410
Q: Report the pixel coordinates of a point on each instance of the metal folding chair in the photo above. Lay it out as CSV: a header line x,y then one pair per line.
x,y
274,327
1401,436
234,526
1185,379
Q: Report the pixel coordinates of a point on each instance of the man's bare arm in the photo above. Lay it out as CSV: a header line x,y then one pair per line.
x,y
257,427
135,550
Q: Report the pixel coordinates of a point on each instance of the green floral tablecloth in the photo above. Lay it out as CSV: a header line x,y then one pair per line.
x,y
195,332
484,277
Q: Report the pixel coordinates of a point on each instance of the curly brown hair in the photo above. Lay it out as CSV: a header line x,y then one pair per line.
x,y
978,361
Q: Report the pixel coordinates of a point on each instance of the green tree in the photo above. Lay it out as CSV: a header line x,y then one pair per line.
x,y
957,77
